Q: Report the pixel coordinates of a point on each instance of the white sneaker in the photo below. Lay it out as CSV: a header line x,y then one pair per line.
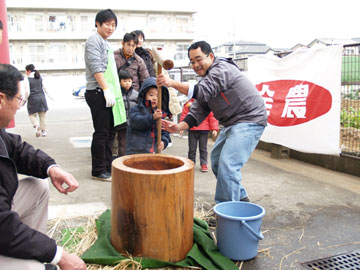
x,y
43,133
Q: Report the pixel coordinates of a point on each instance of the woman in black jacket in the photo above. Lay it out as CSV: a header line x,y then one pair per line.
x,y
144,53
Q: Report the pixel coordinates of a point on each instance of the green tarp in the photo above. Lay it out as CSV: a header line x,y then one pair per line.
x,y
204,252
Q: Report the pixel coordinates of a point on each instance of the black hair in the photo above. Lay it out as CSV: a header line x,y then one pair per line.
x,y
104,16
1,25
129,37
204,46
31,68
9,78
139,33
124,74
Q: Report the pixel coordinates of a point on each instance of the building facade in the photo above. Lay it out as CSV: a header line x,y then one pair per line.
x,y
52,35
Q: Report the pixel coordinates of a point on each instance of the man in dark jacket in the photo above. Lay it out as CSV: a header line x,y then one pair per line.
x,y
24,204
237,105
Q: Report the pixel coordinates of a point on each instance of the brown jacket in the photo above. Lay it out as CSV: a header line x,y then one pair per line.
x,y
136,67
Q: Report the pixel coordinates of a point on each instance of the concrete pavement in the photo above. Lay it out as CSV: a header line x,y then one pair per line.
x,y
311,212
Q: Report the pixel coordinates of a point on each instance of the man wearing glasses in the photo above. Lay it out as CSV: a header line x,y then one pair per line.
x,y
24,204
237,105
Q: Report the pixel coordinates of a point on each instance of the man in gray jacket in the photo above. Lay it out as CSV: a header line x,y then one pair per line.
x,y
99,93
237,105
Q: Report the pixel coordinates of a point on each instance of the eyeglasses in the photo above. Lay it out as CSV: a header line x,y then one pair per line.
x,y
197,59
21,99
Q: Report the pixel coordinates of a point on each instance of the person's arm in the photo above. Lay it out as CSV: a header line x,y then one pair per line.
x,y
28,160
26,85
46,91
108,95
71,261
34,162
59,177
163,80
95,48
99,77
139,120
213,122
171,127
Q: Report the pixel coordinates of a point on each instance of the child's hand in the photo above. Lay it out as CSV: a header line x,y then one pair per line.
x,y
161,147
157,114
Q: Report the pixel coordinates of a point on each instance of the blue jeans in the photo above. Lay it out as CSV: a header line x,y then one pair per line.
x,y
231,151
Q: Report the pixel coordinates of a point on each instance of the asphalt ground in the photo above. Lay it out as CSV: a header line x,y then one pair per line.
x,y
311,212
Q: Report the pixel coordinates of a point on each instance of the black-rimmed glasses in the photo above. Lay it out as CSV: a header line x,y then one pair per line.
x,y
197,59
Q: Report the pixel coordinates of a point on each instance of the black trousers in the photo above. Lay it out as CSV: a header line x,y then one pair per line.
x,y
103,136
196,136
121,140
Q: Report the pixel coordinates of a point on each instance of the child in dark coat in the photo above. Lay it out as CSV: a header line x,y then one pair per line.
x,y
141,135
130,100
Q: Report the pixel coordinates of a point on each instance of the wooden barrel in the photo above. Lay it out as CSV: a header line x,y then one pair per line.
x,y
152,206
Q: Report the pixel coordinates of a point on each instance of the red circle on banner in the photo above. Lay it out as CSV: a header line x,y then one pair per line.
x,y
293,102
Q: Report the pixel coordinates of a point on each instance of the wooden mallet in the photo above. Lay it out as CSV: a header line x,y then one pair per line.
x,y
167,64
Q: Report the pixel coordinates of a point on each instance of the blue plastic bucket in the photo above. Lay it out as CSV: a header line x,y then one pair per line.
x,y
238,229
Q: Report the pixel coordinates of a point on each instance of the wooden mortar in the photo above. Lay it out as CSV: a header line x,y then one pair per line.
x,y
152,206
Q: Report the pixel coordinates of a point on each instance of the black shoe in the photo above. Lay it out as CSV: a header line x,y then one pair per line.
x,y
245,199
106,176
49,266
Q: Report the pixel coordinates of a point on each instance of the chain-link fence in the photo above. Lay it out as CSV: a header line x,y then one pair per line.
x,y
350,101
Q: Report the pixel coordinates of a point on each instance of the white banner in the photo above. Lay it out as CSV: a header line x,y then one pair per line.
x,y
302,96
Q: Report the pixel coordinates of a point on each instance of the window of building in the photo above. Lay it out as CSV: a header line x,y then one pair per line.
x,y
70,23
12,55
34,22
121,29
57,53
156,23
87,22
229,49
158,45
80,53
56,22
181,51
12,27
36,54
182,24
136,21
